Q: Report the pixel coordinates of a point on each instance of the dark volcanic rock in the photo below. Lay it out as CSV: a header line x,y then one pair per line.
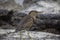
x,y
3,12
17,17
7,18
48,16
48,23
21,14
52,30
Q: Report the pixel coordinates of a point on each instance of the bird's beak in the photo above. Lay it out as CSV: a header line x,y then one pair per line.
x,y
40,12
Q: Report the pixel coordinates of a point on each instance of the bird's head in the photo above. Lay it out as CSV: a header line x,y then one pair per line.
x,y
33,13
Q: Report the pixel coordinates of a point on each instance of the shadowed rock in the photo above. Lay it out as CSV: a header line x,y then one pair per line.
x,y
6,18
48,16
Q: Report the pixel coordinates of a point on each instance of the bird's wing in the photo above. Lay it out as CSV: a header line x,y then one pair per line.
x,y
24,21
29,23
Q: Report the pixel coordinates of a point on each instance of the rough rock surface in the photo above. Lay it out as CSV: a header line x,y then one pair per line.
x,y
30,35
46,7
7,20
9,4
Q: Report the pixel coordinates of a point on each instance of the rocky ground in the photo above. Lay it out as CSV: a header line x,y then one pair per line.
x,y
46,21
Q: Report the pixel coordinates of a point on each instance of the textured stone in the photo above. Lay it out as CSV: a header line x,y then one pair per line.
x,y
32,35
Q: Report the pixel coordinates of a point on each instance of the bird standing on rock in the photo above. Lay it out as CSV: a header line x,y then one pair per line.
x,y
27,21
